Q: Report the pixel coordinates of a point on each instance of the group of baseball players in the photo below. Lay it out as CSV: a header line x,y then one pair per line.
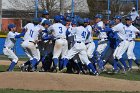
x,y
67,44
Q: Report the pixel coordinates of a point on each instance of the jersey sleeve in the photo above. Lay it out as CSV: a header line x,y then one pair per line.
x,y
136,30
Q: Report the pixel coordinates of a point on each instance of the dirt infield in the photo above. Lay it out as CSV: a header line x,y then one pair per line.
x,y
53,81
59,81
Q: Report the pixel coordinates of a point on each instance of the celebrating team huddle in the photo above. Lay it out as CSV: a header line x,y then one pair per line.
x,y
70,42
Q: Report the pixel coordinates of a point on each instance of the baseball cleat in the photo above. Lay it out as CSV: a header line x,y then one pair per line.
x,y
22,68
63,70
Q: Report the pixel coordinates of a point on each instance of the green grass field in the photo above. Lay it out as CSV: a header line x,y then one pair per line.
x,y
28,91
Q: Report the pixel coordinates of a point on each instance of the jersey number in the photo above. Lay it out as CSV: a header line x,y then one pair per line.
x,y
60,30
83,34
31,33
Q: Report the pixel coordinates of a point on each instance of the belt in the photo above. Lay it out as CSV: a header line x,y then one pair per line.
x,y
60,38
103,39
87,43
131,40
32,42
78,42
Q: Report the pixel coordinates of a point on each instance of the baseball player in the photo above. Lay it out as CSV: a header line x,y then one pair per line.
x,y
131,32
9,45
79,47
89,41
112,44
102,43
61,45
29,43
122,47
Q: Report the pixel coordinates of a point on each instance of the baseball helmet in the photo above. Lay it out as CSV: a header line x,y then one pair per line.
x,y
45,12
99,16
118,17
11,25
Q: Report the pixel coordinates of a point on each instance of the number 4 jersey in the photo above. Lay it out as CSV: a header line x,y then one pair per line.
x,y
32,32
80,33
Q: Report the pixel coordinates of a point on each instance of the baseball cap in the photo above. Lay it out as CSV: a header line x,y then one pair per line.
x,y
99,16
112,22
45,12
128,18
57,18
36,20
11,25
46,22
74,22
80,21
68,19
118,17
86,20
133,8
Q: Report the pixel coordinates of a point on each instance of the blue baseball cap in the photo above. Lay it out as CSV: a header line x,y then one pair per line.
x,y
62,17
63,22
57,18
74,22
46,22
68,19
128,18
36,20
86,20
112,22
99,16
80,21
118,17
11,25
45,12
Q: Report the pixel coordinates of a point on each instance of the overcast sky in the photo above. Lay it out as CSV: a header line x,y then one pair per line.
x,y
80,5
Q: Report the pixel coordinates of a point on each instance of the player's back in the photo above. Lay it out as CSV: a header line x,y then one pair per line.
x,y
89,30
59,30
119,28
80,33
32,32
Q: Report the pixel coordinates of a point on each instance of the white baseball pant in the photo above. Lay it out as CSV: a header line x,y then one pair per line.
x,y
60,48
10,54
130,50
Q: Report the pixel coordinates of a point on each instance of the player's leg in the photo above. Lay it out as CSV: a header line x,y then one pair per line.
x,y
84,58
100,49
57,52
64,52
70,54
122,49
130,54
11,55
